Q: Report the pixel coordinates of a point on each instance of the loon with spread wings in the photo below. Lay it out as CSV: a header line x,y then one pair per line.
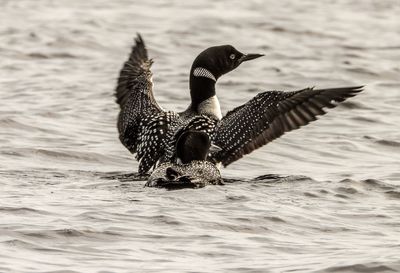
x,y
148,131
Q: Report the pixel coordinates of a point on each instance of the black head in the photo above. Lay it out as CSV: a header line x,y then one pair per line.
x,y
221,59
192,145
211,64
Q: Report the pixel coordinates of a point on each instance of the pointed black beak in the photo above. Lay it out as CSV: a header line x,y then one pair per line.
x,y
248,57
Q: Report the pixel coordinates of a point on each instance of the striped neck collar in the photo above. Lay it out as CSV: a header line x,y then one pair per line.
x,y
203,72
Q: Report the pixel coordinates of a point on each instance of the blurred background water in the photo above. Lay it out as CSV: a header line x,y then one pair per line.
x,y
68,204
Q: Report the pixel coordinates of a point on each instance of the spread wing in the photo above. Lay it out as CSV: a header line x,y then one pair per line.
x,y
135,97
135,77
269,115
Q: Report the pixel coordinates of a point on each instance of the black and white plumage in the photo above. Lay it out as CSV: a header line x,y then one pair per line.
x,y
269,115
144,127
191,170
201,123
150,132
196,174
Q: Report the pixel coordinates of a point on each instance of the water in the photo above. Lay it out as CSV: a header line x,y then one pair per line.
x,y
69,202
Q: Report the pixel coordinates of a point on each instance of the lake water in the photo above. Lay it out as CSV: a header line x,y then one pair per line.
x,y
70,203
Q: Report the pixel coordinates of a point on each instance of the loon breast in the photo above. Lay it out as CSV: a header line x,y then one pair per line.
x,y
210,107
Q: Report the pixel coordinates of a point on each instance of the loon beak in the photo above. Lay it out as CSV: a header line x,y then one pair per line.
x,y
248,57
214,148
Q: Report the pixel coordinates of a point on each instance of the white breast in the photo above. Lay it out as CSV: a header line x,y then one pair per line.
x,y
211,107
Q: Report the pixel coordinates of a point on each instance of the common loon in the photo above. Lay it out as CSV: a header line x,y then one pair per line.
x,y
191,170
151,132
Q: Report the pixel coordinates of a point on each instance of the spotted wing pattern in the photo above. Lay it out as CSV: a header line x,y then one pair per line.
x,y
134,95
156,132
269,115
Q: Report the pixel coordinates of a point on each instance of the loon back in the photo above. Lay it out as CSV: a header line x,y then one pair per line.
x,y
196,174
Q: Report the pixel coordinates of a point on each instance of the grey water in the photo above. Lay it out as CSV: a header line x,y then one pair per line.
x,y
69,199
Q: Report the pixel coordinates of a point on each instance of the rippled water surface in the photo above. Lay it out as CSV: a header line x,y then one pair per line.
x,y
70,203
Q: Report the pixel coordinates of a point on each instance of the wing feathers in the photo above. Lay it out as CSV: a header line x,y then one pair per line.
x,y
135,75
134,94
269,115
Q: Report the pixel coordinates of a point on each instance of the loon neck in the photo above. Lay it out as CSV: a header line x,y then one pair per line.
x,y
203,96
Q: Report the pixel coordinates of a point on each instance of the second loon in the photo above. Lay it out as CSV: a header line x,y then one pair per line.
x,y
151,133
191,170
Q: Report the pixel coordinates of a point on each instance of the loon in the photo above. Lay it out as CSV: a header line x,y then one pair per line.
x,y
150,132
191,170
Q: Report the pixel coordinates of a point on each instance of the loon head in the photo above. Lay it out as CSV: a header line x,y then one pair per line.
x,y
209,65
219,60
193,145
